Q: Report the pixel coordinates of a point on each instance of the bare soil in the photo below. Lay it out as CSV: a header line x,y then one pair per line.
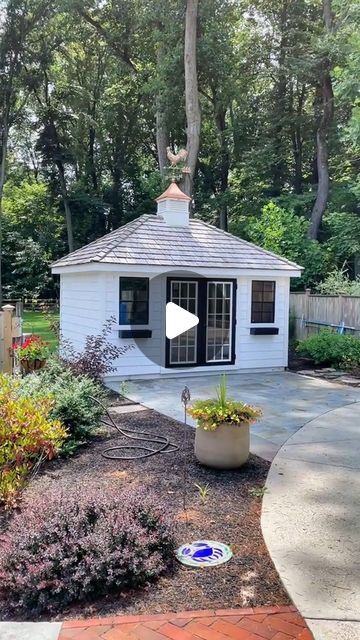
x,y
229,513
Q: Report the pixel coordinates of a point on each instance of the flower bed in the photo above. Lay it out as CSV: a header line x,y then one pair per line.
x,y
75,547
220,506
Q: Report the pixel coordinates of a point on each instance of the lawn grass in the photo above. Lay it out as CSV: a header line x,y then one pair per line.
x,y
37,323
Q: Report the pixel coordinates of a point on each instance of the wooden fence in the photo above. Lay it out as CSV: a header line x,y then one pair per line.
x,y
309,313
35,304
10,332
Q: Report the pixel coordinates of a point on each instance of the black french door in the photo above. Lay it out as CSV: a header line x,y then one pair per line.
x,y
212,341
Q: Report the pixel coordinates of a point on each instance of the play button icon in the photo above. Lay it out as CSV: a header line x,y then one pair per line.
x,y
178,320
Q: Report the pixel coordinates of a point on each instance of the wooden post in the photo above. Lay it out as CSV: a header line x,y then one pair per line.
x,y
8,310
19,309
307,311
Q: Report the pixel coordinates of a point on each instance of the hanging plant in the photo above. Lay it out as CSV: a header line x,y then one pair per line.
x,y
32,354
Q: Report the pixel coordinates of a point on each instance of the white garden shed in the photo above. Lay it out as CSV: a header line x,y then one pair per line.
x,y
239,291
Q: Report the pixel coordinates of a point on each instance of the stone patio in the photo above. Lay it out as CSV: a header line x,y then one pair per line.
x,y
288,400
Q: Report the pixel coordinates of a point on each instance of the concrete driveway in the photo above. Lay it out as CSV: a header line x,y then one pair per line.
x,y
311,522
288,400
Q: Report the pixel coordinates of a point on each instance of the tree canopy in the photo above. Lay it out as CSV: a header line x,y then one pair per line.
x,y
265,95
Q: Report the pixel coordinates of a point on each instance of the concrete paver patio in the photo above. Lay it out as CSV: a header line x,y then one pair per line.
x,y
288,400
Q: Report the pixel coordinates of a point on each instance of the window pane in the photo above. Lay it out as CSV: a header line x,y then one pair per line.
x,y
257,285
184,289
192,289
263,301
139,313
124,313
134,301
269,286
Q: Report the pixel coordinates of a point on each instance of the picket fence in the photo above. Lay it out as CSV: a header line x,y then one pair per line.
x,y
309,313
10,333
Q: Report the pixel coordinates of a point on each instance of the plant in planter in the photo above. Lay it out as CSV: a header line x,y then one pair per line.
x,y
32,354
222,437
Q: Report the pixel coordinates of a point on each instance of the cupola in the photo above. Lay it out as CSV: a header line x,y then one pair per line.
x,y
173,206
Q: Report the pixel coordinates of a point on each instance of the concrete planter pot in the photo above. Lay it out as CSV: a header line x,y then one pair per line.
x,y
227,447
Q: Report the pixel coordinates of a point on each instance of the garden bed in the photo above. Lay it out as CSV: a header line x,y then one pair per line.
x,y
230,512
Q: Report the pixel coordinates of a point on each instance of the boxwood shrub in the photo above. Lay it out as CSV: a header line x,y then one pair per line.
x,y
65,549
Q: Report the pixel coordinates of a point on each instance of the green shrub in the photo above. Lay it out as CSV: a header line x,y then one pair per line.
x,y
330,348
337,282
72,403
28,435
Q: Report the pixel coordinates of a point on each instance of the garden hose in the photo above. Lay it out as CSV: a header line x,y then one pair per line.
x,y
162,442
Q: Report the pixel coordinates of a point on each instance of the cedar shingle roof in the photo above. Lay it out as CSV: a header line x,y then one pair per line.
x,y
148,240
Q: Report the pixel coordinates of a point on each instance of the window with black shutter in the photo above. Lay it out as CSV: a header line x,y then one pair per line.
x,y
263,301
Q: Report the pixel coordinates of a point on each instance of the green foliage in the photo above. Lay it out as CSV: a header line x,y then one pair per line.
x,y
32,238
257,492
337,282
343,235
285,233
72,403
29,433
91,80
330,348
34,348
204,492
211,413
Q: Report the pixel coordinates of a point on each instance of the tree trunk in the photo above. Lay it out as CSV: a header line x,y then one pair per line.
x,y
296,137
325,123
277,169
162,136
220,117
4,143
65,198
91,156
192,105
4,148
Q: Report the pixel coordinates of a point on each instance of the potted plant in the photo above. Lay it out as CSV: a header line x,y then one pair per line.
x,y
32,354
222,438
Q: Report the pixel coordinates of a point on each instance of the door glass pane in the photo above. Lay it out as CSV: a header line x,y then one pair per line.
x,y
183,347
219,322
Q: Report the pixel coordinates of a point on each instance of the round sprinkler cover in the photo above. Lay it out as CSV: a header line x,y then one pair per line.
x,y
203,553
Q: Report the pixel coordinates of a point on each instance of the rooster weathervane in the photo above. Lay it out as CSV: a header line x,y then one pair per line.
x,y
178,158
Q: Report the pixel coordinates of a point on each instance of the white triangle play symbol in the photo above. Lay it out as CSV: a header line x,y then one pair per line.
x,y
178,320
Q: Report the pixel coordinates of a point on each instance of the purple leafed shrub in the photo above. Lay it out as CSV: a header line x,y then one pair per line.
x,y
97,357
66,549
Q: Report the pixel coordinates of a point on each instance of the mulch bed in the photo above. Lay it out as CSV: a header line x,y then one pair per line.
x,y
298,362
230,513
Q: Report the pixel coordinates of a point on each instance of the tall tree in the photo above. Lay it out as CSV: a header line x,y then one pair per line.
x,y
325,104
17,20
192,103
